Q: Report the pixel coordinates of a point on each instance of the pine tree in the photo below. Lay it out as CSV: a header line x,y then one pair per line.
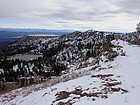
x,y
138,28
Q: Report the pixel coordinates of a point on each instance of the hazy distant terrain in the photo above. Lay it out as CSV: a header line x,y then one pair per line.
x,y
13,34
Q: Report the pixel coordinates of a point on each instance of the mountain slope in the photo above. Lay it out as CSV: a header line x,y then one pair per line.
x,y
56,55
112,83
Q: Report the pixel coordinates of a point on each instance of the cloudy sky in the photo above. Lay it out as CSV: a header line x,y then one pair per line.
x,y
110,15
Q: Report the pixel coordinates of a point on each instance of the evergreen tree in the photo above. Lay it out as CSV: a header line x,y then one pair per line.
x,y
138,28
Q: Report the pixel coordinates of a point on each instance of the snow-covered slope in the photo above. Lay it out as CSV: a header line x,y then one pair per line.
x,y
112,83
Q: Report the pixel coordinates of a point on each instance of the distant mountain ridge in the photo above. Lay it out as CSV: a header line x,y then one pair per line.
x,y
33,30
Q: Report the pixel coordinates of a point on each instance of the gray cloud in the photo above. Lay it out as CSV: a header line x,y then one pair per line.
x,y
70,9
70,13
129,6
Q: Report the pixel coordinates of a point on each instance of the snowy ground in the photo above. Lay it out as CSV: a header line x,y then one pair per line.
x,y
114,83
